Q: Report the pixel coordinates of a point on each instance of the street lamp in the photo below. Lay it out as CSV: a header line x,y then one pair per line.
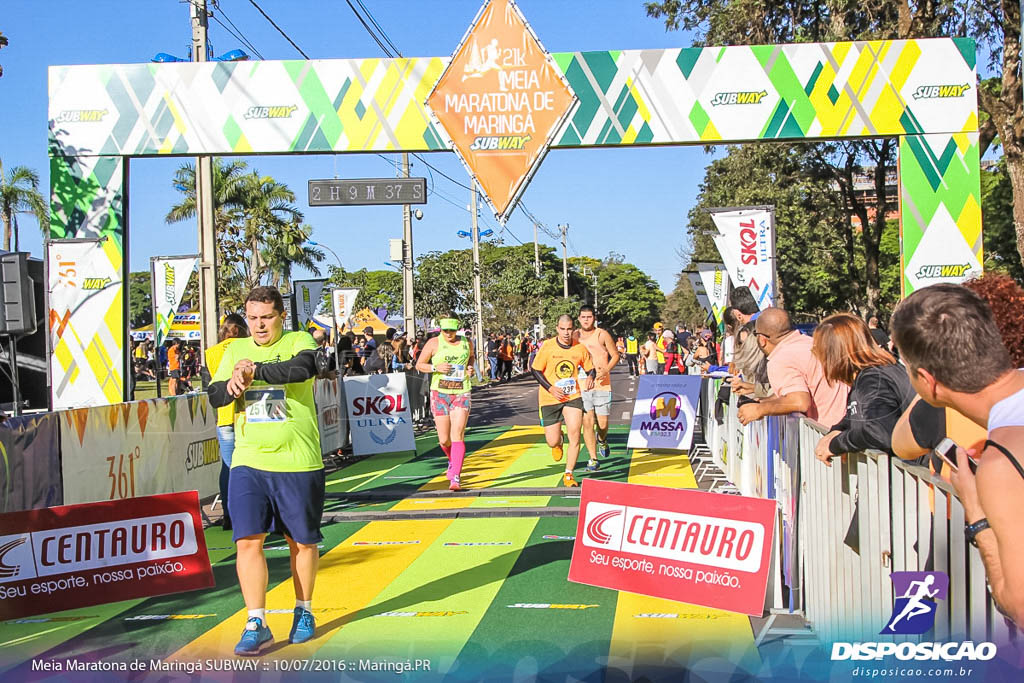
x,y
333,253
229,56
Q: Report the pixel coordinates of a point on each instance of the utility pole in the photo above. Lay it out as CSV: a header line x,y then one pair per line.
x,y
204,201
479,334
565,260
536,251
407,286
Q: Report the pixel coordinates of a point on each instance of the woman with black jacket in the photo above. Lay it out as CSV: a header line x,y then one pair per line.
x,y
879,388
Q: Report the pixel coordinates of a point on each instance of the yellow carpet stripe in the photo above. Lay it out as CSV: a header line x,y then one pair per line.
x,y
484,465
670,469
350,577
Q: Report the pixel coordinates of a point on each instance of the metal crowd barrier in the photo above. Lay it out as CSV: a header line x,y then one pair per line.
x,y
834,569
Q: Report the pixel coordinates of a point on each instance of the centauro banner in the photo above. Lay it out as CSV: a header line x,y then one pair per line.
x,y
65,557
85,298
716,287
746,241
307,299
140,448
170,276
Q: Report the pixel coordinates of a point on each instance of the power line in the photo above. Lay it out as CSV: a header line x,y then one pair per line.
x,y
369,30
236,32
382,32
279,29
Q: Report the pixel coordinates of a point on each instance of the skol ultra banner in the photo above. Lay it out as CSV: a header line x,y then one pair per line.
x,y
343,303
72,556
715,279
747,243
501,100
379,414
709,549
140,448
170,276
85,298
307,300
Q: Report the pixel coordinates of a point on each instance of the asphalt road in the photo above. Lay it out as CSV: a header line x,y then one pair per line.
x,y
515,402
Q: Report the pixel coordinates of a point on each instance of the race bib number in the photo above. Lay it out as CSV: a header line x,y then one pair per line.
x,y
266,404
567,385
456,374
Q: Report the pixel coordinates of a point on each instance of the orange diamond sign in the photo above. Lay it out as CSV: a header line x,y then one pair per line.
x,y
501,100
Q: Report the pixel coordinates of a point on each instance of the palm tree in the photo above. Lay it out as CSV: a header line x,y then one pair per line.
x,y
287,248
19,193
267,212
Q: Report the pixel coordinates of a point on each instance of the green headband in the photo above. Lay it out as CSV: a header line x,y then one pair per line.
x,y
449,324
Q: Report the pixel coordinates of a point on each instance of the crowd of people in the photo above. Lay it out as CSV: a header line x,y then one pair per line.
x,y
176,361
948,352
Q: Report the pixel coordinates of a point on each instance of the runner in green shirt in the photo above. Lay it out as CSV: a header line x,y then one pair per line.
x,y
450,359
277,474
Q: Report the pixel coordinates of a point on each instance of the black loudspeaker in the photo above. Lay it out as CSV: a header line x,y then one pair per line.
x,y
17,295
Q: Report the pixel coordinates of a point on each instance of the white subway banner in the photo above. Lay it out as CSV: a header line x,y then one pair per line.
x,y
170,278
343,302
715,279
699,291
307,300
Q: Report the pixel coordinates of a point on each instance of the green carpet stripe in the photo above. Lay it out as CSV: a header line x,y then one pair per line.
x,y
538,643
453,584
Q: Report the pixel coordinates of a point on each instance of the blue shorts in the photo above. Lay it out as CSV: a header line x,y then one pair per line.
x,y
291,503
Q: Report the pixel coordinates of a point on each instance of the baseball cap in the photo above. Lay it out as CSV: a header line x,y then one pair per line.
x,y
659,326
449,324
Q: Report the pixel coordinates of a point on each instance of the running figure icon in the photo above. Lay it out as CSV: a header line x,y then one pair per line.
x,y
915,606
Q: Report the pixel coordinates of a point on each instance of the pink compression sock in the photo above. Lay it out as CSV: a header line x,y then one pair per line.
x,y
458,456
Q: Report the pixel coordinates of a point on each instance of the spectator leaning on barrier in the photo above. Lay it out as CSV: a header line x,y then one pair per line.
x,y
955,358
879,388
233,327
796,376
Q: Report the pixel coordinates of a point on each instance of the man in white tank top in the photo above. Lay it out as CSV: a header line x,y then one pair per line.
x,y
598,402
980,381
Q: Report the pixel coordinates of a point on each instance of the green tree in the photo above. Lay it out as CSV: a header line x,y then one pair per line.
x,y
3,44
630,301
681,305
19,194
140,299
995,26
997,222
377,288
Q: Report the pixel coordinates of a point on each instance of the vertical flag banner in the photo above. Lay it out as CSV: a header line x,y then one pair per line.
x,y
746,241
170,276
307,300
716,286
85,298
343,302
699,291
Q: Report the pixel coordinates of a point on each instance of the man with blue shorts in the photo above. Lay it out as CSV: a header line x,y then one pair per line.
x,y
277,474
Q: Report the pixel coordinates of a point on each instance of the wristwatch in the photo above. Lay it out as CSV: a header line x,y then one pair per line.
x,y
971,531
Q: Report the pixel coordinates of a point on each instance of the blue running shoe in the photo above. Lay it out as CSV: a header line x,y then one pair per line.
x,y
255,638
592,466
604,449
303,626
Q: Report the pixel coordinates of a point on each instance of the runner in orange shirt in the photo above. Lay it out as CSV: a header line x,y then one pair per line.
x,y
174,367
557,368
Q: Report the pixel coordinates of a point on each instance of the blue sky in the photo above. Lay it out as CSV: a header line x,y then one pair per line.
x,y
632,201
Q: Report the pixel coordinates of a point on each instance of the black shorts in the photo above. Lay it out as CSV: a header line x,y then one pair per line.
x,y
291,503
552,414
176,374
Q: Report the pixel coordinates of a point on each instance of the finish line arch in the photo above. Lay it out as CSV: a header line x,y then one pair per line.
x,y
100,116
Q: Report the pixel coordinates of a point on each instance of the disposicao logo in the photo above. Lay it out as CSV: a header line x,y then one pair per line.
x,y
913,613
743,97
930,92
